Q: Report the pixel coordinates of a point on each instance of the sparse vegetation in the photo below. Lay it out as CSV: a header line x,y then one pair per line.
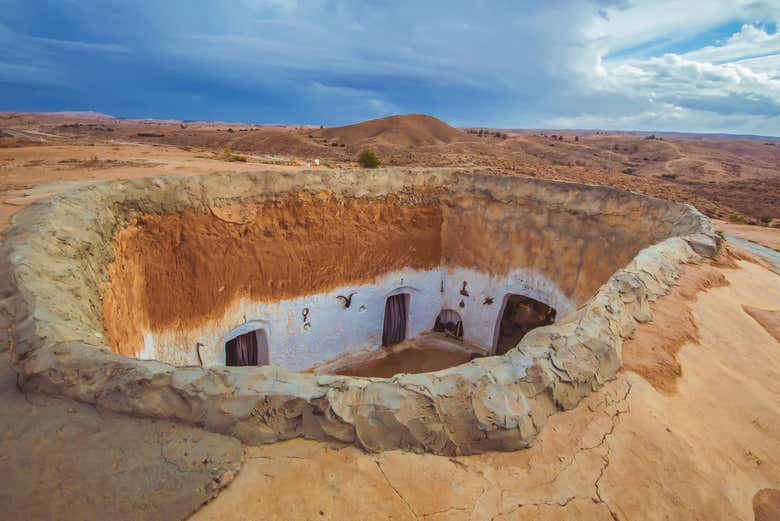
x,y
487,133
736,218
228,155
669,176
367,159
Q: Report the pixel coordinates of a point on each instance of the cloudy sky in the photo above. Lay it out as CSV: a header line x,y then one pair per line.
x,y
697,65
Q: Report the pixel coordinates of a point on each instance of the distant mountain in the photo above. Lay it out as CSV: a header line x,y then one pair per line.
x,y
403,130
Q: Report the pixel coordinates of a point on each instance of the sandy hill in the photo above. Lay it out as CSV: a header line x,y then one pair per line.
x,y
403,130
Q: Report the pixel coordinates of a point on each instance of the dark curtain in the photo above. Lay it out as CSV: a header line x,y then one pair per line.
x,y
394,330
242,350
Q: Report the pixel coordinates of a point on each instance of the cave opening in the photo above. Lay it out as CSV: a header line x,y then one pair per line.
x,y
520,315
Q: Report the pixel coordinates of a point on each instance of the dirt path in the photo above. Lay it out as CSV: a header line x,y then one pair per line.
x,y
667,167
628,452
768,237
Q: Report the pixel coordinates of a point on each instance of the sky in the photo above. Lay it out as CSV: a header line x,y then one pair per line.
x,y
660,65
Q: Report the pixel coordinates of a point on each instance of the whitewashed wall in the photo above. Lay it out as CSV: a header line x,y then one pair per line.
x,y
480,320
331,330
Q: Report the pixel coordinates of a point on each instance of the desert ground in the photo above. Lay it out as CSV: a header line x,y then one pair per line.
x,y
690,428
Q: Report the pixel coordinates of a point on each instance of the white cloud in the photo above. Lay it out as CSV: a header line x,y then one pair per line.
x,y
732,86
749,42
80,46
601,63
646,21
767,64
670,117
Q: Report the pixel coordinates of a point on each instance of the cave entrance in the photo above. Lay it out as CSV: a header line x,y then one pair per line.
x,y
449,323
519,315
247,349
396,315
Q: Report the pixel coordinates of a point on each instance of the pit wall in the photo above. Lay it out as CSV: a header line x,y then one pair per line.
x,y
330,330
481,319
56,255
181,280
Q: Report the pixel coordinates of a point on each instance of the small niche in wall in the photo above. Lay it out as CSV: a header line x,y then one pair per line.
x,y
449,323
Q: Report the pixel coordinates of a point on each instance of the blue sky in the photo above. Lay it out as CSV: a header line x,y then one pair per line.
x,y
704,66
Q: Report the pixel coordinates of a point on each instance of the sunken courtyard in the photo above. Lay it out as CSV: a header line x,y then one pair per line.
x,y
429,310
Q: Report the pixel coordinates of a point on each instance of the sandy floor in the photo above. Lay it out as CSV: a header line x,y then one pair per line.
x,y
628,452
419,355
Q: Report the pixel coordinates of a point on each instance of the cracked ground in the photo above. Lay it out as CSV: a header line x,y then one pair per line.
x,y
627,452
63,460
709,450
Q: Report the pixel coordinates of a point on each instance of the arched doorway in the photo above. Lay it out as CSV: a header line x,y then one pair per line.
x,y
519,315
449,322
396,318
247,348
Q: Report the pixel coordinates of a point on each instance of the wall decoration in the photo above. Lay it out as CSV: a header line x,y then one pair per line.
x,y
347,300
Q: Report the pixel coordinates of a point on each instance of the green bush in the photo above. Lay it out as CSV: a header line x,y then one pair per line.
x,y
367,159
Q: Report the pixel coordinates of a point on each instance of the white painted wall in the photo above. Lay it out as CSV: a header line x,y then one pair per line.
x,y
480,320
331,330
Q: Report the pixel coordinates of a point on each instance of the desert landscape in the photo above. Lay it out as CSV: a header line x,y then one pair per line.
x,y
669,412
731,179
303,260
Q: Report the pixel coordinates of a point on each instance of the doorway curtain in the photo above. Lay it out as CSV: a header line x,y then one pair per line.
x,y
394,330
242,350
